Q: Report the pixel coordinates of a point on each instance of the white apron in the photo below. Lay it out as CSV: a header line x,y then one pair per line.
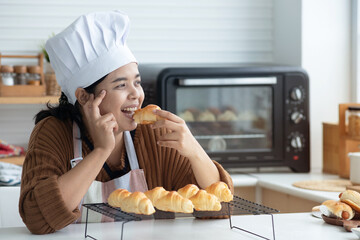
x,y
98,192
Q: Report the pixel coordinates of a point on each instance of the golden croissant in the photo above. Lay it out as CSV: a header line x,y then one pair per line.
x,y
174,202
116,197
221,191
145,115
135,202
138,203
188,191
156,193
204,201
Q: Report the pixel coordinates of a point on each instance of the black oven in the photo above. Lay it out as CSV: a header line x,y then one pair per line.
x,y
243,116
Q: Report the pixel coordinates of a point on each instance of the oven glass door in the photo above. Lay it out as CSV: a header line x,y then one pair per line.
x,y
228,118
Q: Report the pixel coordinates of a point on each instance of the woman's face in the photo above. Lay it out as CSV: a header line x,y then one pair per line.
x,y
124,95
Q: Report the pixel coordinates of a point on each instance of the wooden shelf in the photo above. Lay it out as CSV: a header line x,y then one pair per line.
x,y
29,100
15,160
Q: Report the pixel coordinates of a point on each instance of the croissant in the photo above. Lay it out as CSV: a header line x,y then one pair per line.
x,y
145,115
156,193
188,191
136,202
116,197
174,202
204,201
221,191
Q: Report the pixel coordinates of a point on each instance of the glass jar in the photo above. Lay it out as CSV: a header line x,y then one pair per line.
x,y
7,75
354,121
20,77
33,77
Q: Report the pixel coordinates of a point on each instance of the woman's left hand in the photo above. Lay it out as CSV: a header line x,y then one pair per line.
x,y
180,137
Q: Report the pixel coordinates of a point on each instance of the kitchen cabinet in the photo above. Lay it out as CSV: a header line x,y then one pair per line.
x,y
276,190
286,203
248,193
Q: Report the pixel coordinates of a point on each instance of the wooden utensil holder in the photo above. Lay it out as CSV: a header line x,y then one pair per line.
x,y
347,143
25,90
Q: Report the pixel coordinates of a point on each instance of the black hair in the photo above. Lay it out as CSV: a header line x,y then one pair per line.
x,y
65,111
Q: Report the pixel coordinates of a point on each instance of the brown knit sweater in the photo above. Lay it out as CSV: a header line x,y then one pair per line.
x,y
49,152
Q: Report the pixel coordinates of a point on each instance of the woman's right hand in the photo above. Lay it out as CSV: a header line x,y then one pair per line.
x,y
100,127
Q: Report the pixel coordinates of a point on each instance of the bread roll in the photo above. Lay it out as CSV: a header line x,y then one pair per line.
x,y
156,193
174,202
136,202
188,191
206,116
204,201
332,208
116,197
145,115
227,116
187,116
352,198
221,191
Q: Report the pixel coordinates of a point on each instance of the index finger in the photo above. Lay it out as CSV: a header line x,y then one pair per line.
x,y
168,115
97,101
93,104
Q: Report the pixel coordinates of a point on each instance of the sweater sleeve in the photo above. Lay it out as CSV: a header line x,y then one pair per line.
x,y
41,205
166,166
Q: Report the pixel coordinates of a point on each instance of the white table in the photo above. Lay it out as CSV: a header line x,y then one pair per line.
x,y
287,226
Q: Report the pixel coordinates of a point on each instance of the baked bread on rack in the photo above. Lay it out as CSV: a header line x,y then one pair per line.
x,y
221,191
135,202
174,202
188,191
145,115
116,197
156,193
138,203
204,201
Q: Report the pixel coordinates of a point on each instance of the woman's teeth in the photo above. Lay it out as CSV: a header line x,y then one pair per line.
x,y
130,109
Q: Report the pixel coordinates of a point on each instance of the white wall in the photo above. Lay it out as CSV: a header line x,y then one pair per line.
x,y
326,57
161,31
287,32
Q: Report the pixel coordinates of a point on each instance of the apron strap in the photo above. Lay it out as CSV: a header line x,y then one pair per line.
x,y
130,150
77,145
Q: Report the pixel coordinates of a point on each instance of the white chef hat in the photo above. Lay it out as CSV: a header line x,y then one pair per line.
x,y
91,47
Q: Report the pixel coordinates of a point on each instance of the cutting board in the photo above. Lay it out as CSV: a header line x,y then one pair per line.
x,y
347,224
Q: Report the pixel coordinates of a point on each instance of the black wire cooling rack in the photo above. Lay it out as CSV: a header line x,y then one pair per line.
x,y
238,206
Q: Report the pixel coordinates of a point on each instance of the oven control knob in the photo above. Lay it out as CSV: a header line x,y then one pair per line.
x,y
297,117
296,94
296,142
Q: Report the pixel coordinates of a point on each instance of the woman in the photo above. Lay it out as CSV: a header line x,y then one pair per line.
x,y
81,150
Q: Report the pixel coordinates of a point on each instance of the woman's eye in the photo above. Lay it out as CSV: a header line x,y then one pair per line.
x,y
120,85
138,82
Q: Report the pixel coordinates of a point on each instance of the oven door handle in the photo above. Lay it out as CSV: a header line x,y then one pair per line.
x,y
227,81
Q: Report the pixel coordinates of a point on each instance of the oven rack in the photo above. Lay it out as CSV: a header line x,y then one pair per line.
x,y
238,206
